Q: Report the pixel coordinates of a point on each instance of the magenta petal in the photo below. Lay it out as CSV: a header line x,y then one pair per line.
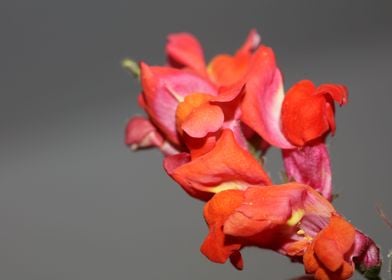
x,y
366,255
310,165
163,89
184,50
261,107
140,133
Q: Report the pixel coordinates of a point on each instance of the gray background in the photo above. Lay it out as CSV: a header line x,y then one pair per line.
x,y
76,204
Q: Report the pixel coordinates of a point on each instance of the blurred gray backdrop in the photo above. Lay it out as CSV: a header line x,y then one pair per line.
x,y
76,204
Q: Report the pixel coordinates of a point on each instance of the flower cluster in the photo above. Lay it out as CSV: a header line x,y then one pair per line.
x,y
215,121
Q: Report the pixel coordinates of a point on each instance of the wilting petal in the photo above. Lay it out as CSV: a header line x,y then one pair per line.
x,y
308,112
226,166
366,255
140,133
261,107
310,165
184,50
163,89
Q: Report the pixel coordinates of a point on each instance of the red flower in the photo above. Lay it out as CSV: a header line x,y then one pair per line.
x,y
297,122
308,112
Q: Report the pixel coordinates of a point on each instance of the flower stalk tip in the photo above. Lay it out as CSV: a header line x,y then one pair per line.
x,y
131,66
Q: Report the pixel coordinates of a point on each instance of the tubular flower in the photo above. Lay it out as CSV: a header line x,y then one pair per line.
x,y
291,219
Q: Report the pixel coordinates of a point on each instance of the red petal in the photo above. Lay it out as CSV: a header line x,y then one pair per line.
x,y
308,113
183,49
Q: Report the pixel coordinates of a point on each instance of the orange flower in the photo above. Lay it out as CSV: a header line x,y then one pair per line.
x,y
293,220
226,166
328,255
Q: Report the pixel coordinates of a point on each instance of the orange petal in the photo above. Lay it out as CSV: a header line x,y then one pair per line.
x,y
226,166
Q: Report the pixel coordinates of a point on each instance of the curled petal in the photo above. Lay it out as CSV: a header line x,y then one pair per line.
x,y
184,50
326,258
261,107
163,89
308,112
366,255
310,165
203,120
226,166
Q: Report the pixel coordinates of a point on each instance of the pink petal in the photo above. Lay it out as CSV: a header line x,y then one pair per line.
x,y
140,133
261,107
163,89
310,165
366,255
184,50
